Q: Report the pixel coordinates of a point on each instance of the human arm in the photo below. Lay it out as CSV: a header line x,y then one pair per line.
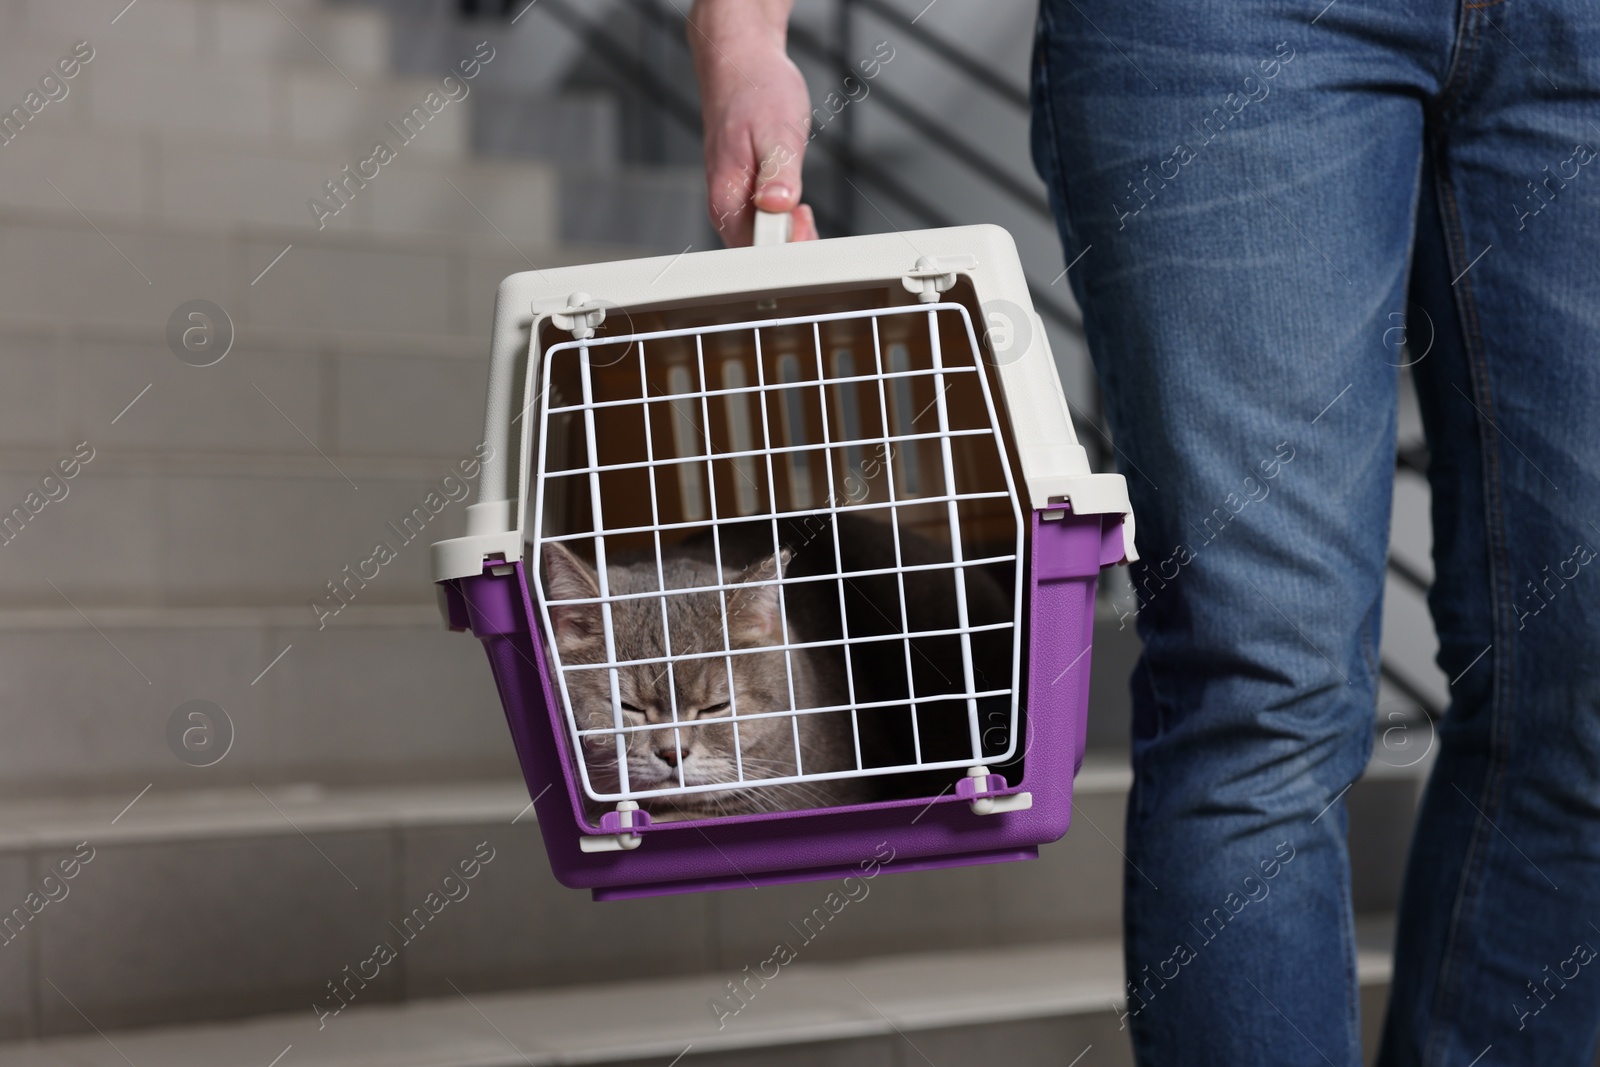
x,y
755,112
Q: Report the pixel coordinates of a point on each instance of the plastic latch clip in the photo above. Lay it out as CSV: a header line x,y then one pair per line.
x,y
620,824
986,794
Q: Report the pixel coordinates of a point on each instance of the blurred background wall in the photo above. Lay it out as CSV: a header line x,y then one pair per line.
x,y
265,774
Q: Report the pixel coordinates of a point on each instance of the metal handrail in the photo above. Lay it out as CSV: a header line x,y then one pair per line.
x,y
1411,692
1415,460
957,147
619,59
1408,574
949,52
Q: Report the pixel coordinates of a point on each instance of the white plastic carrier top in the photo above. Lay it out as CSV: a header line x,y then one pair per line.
x,y
975,267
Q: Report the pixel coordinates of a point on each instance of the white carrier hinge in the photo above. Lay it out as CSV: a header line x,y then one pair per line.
x,y
931,276
580,317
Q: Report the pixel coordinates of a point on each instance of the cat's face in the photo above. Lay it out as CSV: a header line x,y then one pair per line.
x,y
705,690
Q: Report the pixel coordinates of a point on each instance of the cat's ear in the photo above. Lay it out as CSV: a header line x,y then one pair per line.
x,y
755,614
566,577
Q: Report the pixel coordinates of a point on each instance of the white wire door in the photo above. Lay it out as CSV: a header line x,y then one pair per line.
x,y
876,431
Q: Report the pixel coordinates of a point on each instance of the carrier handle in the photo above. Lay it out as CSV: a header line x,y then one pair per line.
x,y
773,227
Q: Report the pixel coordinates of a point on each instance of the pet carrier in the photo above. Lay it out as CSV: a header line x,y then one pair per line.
x,y
808,573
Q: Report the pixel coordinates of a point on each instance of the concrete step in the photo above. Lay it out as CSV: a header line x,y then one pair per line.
x,y
535,52
252,900
660,208
66,268
123,390
381,694
152,180
129,90
1030,1006
138,91
579,130
202,530
301,33
283,913
358,41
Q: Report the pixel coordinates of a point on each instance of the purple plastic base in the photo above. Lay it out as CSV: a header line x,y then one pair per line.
x,y
818,874
775,847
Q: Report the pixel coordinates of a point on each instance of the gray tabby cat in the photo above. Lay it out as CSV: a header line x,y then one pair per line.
x,y
760,683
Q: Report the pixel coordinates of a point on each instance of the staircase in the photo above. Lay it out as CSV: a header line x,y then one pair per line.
x,y
238,878
230,903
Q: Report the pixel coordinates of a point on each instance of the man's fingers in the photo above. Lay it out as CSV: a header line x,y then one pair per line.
x,y
805,224
733,174
755,173
777,197
728,203
781,152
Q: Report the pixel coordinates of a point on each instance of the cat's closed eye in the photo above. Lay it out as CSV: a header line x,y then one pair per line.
x,y
688,713
709,709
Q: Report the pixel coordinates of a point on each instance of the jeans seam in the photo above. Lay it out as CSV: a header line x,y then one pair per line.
x,y
1375,656
1493,518
1351,962
1464,51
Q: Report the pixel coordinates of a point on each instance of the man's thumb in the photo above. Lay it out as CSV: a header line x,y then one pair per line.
x,y
777,184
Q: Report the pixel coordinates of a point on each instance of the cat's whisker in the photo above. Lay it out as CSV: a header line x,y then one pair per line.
x,y
753,798
812,797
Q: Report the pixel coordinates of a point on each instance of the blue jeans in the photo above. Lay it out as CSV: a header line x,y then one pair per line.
x,y
1255,197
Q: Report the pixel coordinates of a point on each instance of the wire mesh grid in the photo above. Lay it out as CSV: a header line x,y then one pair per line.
x,y
642,455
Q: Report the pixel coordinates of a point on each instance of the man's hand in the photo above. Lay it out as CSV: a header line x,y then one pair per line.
x,y
755,111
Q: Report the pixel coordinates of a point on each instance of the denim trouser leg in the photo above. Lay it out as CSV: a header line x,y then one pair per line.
x,y
1249,189
1500,921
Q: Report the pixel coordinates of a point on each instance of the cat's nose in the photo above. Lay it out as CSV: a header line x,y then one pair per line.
x,y
668,755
